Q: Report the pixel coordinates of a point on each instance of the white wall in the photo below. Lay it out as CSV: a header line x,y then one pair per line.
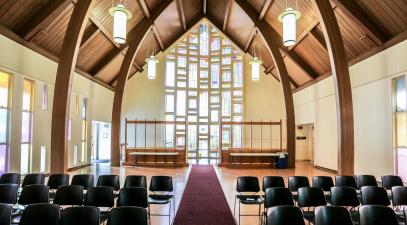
x,y
22,63
372,110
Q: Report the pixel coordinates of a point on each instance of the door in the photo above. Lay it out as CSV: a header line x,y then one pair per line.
x,y
400,126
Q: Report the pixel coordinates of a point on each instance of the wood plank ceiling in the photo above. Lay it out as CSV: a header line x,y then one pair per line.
x,y
366,26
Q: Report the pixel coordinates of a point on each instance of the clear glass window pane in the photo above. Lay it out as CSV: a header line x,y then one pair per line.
x,y
4,89
3,125
181,101
401,95
169,103
193,75
44,97
28,91
170,74
25,158
43,158
3,158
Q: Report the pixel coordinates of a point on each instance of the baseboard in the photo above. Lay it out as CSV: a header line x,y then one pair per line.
x,y
79,167
326,169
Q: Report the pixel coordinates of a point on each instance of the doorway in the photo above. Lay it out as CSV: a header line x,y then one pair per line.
x,y
304,145
101,139
400,125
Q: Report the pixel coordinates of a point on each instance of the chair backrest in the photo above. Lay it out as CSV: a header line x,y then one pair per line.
x,y
33,178
344,196
161,184
135,181
99,197
34,193
372,195
5,214
323,182
69,195
85,180
80,215
41,213
311,197
56,180
345,181
133,196
277,196
109,181
10,178
285,215
296,182
365,180
390,181
272,181
332,215
399,196
376,214
8,193
127,215
247,184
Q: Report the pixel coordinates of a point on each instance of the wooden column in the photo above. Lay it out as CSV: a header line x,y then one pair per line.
x,y
142,29
340,72
66,68
270,38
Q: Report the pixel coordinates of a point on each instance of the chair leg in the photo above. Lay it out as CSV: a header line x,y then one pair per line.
x,y
234,208
149,215
239,213
260,213
169,215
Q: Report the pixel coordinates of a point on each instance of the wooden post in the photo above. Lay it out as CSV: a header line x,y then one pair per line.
x,y
340,72
62,92
142,29
269,36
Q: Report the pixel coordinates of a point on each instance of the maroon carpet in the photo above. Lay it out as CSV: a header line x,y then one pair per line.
x,y
203,201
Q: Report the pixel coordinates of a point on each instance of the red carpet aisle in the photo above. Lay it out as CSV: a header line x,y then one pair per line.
x,y
203,201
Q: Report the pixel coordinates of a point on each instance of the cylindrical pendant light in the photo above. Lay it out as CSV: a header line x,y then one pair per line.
x,y
120,16
255,62
289,19
151,64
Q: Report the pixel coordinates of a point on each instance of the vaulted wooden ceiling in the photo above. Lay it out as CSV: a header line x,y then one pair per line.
x,y
367,27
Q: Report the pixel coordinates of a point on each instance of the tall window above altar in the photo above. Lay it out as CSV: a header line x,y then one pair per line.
x,y
204,84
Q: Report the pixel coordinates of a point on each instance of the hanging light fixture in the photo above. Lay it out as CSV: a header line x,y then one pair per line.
x,y
120,16
255,63
152,65
289,19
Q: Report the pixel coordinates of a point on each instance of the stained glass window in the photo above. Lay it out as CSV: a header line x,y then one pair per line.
x,y
208,70
27,126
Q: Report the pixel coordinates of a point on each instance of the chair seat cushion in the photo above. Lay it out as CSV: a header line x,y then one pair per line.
x,y
250,199
159,199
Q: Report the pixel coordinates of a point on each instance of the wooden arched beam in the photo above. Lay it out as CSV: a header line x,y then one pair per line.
x,y
142,27
62,92
340,71
270,38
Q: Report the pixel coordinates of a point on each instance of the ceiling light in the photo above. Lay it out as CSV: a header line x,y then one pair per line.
x,y
120,16
289,19
151,64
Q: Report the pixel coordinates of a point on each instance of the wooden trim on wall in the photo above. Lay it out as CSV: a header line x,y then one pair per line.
x,y
62,92
339,66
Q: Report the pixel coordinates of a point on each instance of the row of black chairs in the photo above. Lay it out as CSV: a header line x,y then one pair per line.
x,y
134,192
50,214
322,193
333,215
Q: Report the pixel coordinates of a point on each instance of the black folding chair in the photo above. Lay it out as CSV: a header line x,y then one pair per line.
x,y
135,181
372,195
332,215
109,181
365,180
80,215
127,215
85,180
5,214
100,197
69,195
285,215
308,199
248,188
133,196
41,213
33,178
377,215
55,181
296,182
162,188
276,196
10,178
346,197
345,181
